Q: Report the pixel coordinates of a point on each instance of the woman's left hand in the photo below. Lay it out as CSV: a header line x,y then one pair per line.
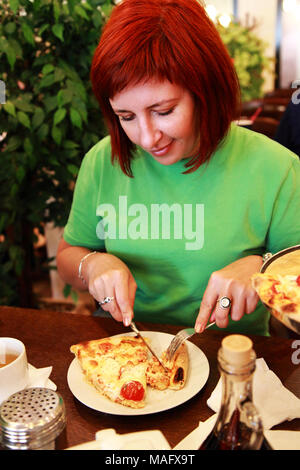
x,y
234,282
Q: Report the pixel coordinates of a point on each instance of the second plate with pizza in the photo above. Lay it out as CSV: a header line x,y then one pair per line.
x,y
157,400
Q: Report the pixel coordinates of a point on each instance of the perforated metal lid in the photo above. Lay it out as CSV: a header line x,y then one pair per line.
x,y
32,419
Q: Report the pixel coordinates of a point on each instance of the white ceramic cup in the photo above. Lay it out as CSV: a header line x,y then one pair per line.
x,y
13,376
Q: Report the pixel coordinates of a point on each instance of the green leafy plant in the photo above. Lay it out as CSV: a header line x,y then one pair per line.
x,y
50,119
248,53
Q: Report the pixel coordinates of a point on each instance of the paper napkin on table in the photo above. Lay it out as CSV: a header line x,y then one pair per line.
x,y
274,402
40,377
108,439
278,440
194,440
283,440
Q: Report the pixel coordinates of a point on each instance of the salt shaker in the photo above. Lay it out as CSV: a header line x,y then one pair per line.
x,y
32,419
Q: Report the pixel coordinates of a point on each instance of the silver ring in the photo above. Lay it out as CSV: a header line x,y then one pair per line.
x,y
224,302
106,300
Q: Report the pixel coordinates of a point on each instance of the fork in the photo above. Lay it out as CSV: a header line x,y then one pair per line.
x,y
180,338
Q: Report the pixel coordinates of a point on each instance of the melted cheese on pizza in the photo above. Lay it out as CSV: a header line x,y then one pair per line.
x,y
279,292
125,348
112,376
157,377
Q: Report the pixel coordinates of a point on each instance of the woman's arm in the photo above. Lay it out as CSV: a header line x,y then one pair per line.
x,y
68,260
104,275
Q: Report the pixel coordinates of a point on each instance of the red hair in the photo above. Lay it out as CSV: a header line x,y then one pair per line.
x,y
167,40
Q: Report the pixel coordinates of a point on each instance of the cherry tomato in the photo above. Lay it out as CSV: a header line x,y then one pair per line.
x,y
133,391
298,280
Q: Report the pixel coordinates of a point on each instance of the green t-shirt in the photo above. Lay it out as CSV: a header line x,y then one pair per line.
x,y
173,230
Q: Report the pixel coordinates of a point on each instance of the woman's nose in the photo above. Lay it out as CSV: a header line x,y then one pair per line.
x,y
149,135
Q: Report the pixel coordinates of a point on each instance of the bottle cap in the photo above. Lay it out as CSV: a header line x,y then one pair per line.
x,y
237,349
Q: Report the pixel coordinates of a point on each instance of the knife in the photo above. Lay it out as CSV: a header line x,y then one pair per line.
x,y
134,328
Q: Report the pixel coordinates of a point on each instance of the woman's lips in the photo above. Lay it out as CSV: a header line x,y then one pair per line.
x,y
162,151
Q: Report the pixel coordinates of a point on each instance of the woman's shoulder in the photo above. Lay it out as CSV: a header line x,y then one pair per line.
x,y
100,150
259,149
98,158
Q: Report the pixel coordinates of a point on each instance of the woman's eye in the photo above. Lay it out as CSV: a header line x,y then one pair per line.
x,y
131,117
166,113
126,118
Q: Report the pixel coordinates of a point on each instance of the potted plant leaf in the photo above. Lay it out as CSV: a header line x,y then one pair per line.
x,y
248,54
49,120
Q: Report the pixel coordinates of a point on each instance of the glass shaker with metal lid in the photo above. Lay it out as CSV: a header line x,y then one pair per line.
x,y
32,419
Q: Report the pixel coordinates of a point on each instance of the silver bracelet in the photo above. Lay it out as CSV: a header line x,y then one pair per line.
x,y
81,264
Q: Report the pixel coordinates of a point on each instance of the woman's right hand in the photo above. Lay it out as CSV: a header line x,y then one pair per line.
x,y
107,276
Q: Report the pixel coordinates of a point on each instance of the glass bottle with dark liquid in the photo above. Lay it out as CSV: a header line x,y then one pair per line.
x,y
238,425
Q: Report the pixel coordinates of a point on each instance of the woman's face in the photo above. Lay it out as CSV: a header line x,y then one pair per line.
x,y
161,118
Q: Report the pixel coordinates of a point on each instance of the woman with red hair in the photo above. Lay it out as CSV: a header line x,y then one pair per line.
x,y
174,209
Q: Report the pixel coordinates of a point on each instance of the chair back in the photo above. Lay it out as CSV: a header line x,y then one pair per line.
x,y
266,125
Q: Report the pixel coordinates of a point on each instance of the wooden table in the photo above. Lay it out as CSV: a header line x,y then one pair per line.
x,y
48,336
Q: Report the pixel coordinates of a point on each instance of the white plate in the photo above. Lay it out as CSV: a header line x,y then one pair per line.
x,y
156,400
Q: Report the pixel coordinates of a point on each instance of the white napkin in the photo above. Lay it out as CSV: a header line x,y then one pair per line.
x,y
40,377
193,440
108,439
283,440
274,402
278,440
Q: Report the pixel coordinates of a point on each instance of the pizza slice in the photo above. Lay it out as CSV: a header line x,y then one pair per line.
x,y
116,367
124,347
279,292
124,384
119,368
178,367
176,374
